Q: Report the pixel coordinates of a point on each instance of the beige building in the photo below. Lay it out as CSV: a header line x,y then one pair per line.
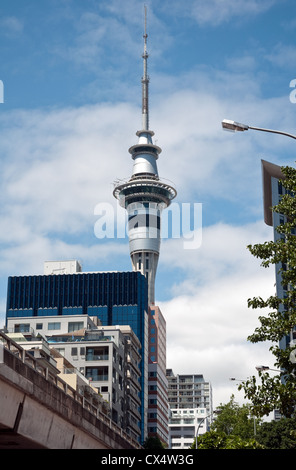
x,y
106,359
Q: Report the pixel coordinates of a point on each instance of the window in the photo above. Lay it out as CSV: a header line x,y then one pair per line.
x,y
97,353
75,325
54,326
280,188
22,328
96,373
39,326
74,351
61,351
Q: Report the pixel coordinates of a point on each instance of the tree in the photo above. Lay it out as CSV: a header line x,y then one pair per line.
x,y
235,420
220,440
278,434
277,391
233,428
153,442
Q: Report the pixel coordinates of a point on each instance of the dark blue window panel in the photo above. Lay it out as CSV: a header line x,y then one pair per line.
x,y
47,312
77,290
20,313
72,311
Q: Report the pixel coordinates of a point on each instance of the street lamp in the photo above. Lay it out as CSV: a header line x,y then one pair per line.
x,y
254,417
234,126
203,419
262,368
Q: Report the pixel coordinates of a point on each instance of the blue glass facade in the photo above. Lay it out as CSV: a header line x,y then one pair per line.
x,y
118,298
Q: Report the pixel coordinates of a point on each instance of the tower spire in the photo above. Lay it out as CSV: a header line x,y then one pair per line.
x,y
145,80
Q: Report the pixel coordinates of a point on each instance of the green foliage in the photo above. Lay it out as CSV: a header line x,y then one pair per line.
x,y
153,443
277,391
220,440
278,434
234,419
233,428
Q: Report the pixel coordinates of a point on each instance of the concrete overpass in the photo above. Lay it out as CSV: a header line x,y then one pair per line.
x,y
38,410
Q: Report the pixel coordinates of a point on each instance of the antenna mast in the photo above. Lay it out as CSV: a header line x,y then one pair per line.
x,y
145,80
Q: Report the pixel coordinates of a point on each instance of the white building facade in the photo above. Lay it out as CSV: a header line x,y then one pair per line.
x,y
185,424
191,408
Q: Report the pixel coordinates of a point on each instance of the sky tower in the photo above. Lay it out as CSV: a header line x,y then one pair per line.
x,y
144,195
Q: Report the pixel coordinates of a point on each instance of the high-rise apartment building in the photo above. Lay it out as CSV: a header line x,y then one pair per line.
x,y
157,338
158,409
115,298
272,193
189,391
108,357
191,407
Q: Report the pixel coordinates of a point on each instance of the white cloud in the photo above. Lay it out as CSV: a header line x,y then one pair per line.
x,y
57,166
208,320
104,38
223,251
216,12
200,158
218,364
283,55
11,26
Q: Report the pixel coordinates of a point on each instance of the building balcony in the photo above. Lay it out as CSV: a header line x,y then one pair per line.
x,y
97,357
97,378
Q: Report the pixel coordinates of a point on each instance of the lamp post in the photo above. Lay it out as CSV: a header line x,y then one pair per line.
x,y
254,417
234,126
203,419
262,368
196,435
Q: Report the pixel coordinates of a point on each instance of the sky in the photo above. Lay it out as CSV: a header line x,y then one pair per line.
x,y
70,74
